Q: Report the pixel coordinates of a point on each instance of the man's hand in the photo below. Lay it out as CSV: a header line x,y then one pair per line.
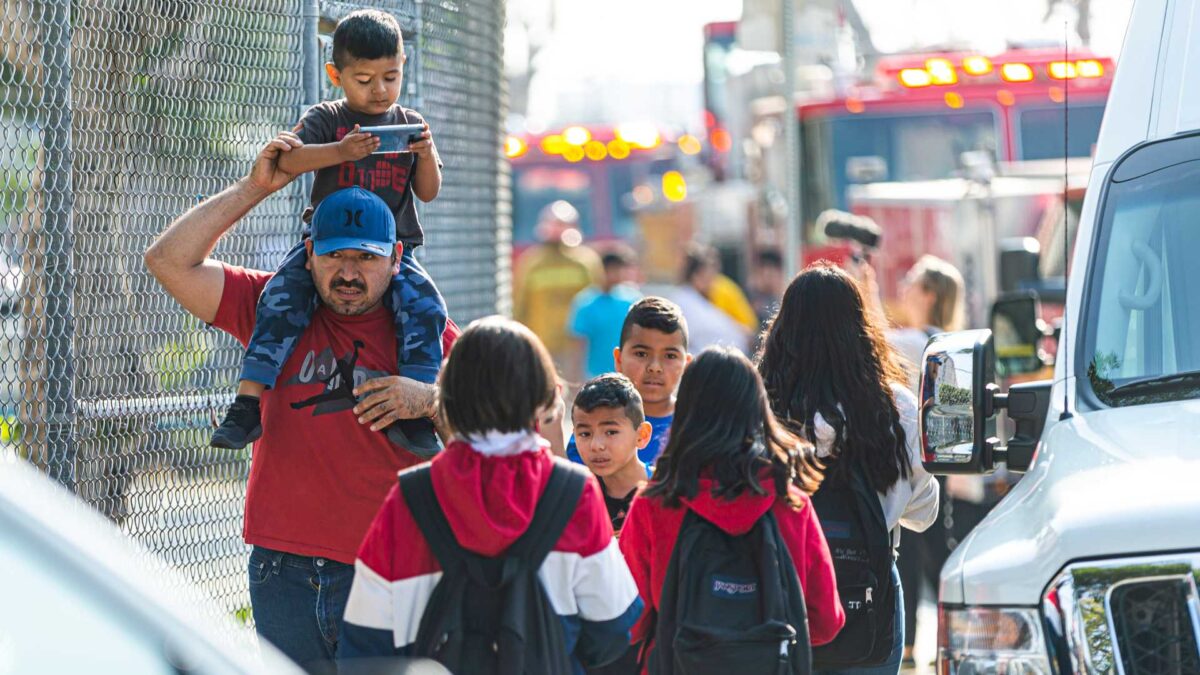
x,y
266,174
356,145
424,147
391,398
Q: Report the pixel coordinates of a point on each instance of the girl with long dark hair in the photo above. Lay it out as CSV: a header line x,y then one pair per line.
x,y
730,462
832,377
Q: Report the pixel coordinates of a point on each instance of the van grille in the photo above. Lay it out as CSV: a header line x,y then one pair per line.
x,y
1153,629
1126,616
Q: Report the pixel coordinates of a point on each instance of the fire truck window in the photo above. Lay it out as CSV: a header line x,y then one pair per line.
x,y
914,147
1040,131
537,186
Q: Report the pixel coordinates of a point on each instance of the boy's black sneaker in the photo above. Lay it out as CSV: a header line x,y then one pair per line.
x,y
242,425
417,436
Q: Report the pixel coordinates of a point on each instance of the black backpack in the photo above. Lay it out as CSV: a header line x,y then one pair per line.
x,y
861,546
492,615
730,604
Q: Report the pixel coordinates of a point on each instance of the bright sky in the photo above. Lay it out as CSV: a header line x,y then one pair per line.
x,y
598,45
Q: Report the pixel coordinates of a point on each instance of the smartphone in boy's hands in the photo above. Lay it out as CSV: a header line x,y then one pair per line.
x,y
395,137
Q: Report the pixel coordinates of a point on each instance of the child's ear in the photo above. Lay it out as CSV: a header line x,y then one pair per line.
x,y
335,75
617,358
688,359
644,431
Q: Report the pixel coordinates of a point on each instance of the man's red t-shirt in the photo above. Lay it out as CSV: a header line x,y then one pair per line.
x,y
317,476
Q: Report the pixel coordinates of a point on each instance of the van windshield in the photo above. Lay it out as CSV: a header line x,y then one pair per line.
x,y
1144,342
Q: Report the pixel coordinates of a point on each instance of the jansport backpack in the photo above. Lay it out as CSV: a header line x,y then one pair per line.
x,y
861,546
492,615
730,604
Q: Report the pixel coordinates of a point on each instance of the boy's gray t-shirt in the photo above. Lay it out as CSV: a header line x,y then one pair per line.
x,y
388,175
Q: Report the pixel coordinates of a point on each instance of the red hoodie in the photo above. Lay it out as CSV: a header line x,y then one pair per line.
x,y
489,502
651,529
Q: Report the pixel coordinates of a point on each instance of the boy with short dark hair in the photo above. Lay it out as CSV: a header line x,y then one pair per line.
x,y
652,353
610,428
368,61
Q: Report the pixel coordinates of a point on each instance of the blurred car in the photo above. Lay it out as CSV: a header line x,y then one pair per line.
x,y
81,597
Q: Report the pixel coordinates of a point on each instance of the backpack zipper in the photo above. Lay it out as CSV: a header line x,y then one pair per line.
x,y
868,596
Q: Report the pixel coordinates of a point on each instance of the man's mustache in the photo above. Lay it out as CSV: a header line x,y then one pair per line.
x,y
339,283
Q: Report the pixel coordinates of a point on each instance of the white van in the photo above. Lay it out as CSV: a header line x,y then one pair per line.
x,y
1091,563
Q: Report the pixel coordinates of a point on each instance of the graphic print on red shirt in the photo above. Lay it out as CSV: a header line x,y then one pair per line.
x,y
317,476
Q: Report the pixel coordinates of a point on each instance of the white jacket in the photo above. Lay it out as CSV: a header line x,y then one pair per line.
x,y
911,503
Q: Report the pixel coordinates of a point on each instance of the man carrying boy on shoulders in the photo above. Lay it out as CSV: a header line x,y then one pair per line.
x,y
319,472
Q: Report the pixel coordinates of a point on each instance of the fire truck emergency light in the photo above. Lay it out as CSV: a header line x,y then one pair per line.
x,y
1062,70
1090,68
639,135
941,71
915,77
553,144
514,147
618,149
977,65
595,150
576,135
1016,72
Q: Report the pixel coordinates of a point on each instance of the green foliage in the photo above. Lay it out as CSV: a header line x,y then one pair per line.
x,y
949,394
244,615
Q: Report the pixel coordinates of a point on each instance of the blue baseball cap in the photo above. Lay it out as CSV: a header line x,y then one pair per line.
x,y
353,218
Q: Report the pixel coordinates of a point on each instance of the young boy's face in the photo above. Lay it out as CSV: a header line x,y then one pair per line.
x,y
607,439
371,85
654,361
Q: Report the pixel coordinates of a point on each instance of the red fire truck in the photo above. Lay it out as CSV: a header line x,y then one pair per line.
x,y
921,113
628,182
884,148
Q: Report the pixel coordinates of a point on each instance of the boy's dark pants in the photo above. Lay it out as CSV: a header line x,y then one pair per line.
x,y
289,299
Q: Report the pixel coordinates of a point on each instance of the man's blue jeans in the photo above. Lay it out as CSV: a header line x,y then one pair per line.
x,y
298,604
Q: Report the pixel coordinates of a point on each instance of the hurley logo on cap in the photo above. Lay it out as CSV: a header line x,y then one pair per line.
x,y
353,218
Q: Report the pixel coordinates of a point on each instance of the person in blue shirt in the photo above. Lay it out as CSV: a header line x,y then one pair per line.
x,y
652,352
597,311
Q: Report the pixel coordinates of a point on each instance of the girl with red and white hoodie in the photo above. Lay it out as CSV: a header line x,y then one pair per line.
x,y
488,481
713,465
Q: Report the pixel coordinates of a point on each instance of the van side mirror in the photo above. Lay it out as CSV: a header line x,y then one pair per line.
x,y
1017,331
958,405
956,423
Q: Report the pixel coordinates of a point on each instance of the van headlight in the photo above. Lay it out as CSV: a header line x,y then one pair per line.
x,y
991,641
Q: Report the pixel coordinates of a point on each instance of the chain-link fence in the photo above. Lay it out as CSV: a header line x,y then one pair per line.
x,y
117,117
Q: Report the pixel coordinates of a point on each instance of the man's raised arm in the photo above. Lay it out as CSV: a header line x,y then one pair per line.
x,y
179,258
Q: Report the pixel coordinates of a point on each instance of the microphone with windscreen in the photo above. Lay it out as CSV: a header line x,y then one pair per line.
x,y
841,225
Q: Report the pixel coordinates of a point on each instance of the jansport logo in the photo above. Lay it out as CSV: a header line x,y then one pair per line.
x,y
734,589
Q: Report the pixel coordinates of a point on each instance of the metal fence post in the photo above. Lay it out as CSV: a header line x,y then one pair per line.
x,y
794,234
58,205
311,65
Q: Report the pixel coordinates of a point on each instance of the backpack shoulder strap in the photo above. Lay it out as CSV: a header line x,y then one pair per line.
x,y
554,510
869,496
416,485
